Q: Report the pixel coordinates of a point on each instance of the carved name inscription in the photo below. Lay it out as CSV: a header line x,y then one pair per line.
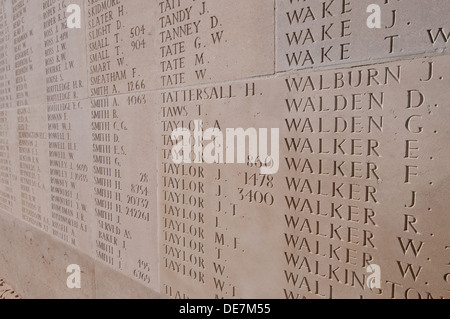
x,y
353,120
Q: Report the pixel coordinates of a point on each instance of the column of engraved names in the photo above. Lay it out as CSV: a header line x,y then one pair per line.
x,y
122,135
22,51
420,244
332,32
102,39
334,124
116,46
68,176
195,48
190,205
317,32
183,210
6,61
174,21
183,242
183,247
187,30
242,194
183,41
7,177
31,134
120,64
106,177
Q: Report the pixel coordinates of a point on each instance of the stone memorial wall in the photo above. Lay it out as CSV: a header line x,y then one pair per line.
x,y
225,149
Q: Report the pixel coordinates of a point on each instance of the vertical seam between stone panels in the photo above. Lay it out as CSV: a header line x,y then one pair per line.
x,y
85,28
158,200
275,41
90,253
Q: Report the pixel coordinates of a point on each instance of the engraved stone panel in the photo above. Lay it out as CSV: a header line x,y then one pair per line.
x,y
34,174
214,240
124,193
360,160
314,34
65,67
70,177
136,47
365,172
118,46
211,41
225,149
8,140
28,41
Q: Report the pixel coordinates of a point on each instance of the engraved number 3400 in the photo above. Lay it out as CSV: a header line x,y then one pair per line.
x,y
256,197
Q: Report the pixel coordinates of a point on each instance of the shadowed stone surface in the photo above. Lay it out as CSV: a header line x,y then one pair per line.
x,y
7,292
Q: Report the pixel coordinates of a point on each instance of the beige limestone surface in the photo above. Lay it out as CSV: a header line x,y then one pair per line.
x,y
355,119
312,34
